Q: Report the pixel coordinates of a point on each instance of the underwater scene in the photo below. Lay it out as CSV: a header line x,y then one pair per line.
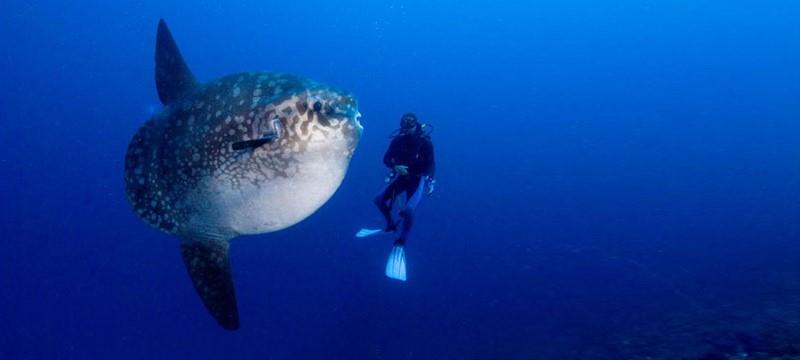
x,y
400,180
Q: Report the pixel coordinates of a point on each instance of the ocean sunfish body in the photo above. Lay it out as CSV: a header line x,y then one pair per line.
x,y
248,153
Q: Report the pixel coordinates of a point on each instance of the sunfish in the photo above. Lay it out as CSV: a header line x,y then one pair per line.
x,y
248,153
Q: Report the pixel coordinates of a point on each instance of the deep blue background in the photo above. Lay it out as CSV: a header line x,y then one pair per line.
x,y
616,179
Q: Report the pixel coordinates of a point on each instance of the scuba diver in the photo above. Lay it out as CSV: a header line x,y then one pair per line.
x,y
411,172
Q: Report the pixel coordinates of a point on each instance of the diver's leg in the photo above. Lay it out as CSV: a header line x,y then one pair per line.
x,y
384,203
413,191
396,266
407,215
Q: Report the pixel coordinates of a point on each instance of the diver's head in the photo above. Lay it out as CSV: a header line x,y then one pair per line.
x,y
409,123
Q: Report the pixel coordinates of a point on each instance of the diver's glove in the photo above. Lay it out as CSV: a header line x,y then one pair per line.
x,y
401,170
430,184
389,177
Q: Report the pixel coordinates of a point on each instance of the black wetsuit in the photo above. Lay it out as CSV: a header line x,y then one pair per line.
x,y
416,152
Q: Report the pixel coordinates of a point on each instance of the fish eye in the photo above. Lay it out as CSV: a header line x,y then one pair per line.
x,y
317,106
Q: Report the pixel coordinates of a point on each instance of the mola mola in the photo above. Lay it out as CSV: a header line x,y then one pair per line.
x,y
248,153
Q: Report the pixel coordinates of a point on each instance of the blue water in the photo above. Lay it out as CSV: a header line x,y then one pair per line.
x,y
616,180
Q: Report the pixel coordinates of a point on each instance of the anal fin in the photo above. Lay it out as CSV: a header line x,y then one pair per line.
x,y
209,268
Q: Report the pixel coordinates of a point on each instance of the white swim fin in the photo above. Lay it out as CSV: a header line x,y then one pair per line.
x,y
368,232
396,266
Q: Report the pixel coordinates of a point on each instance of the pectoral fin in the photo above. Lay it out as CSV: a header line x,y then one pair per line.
x,y
209,268
275,133
252,144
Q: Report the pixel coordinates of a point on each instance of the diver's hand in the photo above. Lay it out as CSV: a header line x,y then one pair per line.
x,y
401,169
430,185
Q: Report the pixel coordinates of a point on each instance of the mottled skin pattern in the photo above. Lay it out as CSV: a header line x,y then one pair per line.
x,y
184,178
247,153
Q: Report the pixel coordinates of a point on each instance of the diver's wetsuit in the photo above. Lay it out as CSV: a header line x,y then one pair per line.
x,y
416,152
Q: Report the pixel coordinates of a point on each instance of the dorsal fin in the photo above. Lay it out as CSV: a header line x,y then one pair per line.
x,y
173,78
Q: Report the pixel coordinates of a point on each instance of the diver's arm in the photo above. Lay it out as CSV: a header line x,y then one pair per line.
x,y
388,158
